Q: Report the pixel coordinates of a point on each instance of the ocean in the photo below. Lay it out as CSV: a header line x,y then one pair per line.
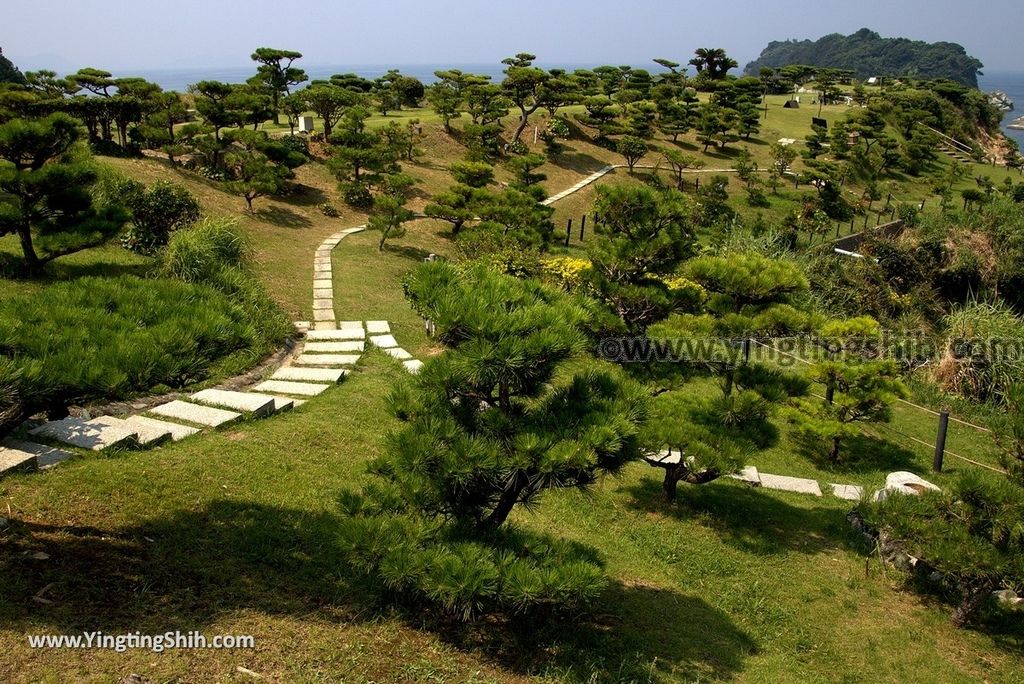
x,y
1013,85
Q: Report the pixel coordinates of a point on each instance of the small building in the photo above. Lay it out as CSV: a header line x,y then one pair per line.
x,y
305,124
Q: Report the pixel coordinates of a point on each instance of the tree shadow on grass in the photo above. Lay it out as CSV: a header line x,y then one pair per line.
x,y
581,162
748,518
185,570
407,252
860,454
282,217
14,268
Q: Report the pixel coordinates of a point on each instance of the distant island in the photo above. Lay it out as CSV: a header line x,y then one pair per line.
x,y
869,54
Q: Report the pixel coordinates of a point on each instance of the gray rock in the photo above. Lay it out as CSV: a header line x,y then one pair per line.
x,y
413,365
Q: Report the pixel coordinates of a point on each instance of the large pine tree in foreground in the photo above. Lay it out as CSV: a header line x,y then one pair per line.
x,y
514,407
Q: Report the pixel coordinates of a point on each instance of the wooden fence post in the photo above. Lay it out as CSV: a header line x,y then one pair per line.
x,y
568,232
940,441
583,225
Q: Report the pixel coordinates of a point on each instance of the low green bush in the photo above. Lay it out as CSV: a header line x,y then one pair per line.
x,y
95,338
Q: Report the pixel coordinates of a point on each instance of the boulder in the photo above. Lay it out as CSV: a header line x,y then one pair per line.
x,y
902,482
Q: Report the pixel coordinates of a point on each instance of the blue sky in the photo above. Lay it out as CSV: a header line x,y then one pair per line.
x,y
120,34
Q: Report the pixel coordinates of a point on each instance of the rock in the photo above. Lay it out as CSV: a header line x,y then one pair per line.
x,y
399,353
1018,124
4,522
1001,101
902,482
413,365
847,492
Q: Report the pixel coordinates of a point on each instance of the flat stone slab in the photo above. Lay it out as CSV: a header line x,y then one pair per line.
x,y
335,335
259,405
378,327
86,435
334,347
301,326
176,430
323,293
327,359
413,365
790,484
304,389
323,304
46,456
323,284
353,325
748,475
848,492
332,375
325,325
196,413
13,460
148,435
323,314
383,341
399,353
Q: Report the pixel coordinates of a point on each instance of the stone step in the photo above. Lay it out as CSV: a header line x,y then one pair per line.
x,y
87,435
848,492
350,325
323,315
148,435
790,484
334,347
46,456
749,475
384,341
284,403
335,335
176,430
196,413
378,327
13,460
259,405
326,359
331,375
398,353
413,365
304,389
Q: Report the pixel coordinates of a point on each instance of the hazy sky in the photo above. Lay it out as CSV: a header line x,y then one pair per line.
x,y
120,34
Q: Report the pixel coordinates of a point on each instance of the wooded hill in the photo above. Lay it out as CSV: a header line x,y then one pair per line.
x,y
868,54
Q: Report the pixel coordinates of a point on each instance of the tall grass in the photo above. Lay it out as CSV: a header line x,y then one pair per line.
x,y
109,338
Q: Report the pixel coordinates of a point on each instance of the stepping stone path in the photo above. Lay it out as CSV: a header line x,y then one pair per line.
x,y
196,413
94,435
790,484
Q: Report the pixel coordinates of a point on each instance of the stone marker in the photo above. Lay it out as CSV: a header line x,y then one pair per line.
x,y
399,353
333,347
176,430
259,405
384,341
81,433
194,413
413,365
790,484
301,326
848,492
748,475
46,456
378,327
332,375
304,389
326,360
148,435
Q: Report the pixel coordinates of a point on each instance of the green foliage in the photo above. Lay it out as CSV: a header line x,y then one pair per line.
x,y
45,180
972,534
110,338
641,236
509,411
632,149
389,213
155,212
982,352
9,73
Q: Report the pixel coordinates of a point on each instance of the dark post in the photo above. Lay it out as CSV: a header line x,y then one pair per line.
x,y
865,220
940,441
892,216
921,208
830,393
696,182
583,225
568,232
852,227
837,229
746,350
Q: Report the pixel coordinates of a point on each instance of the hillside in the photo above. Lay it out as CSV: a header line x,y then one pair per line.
x,y
868,54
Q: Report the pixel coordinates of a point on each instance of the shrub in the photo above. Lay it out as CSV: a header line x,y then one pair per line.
x,y
569,273
155,212
982,357
356,195
329,210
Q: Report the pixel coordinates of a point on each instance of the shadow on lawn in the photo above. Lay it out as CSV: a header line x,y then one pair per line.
x,y
861,454
185,570
581,162
282,217
750,519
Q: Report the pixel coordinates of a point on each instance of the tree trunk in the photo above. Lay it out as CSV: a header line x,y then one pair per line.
x,y
277,114
31,258
501,511
672,477
457,226
833,454
248,203
972,600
